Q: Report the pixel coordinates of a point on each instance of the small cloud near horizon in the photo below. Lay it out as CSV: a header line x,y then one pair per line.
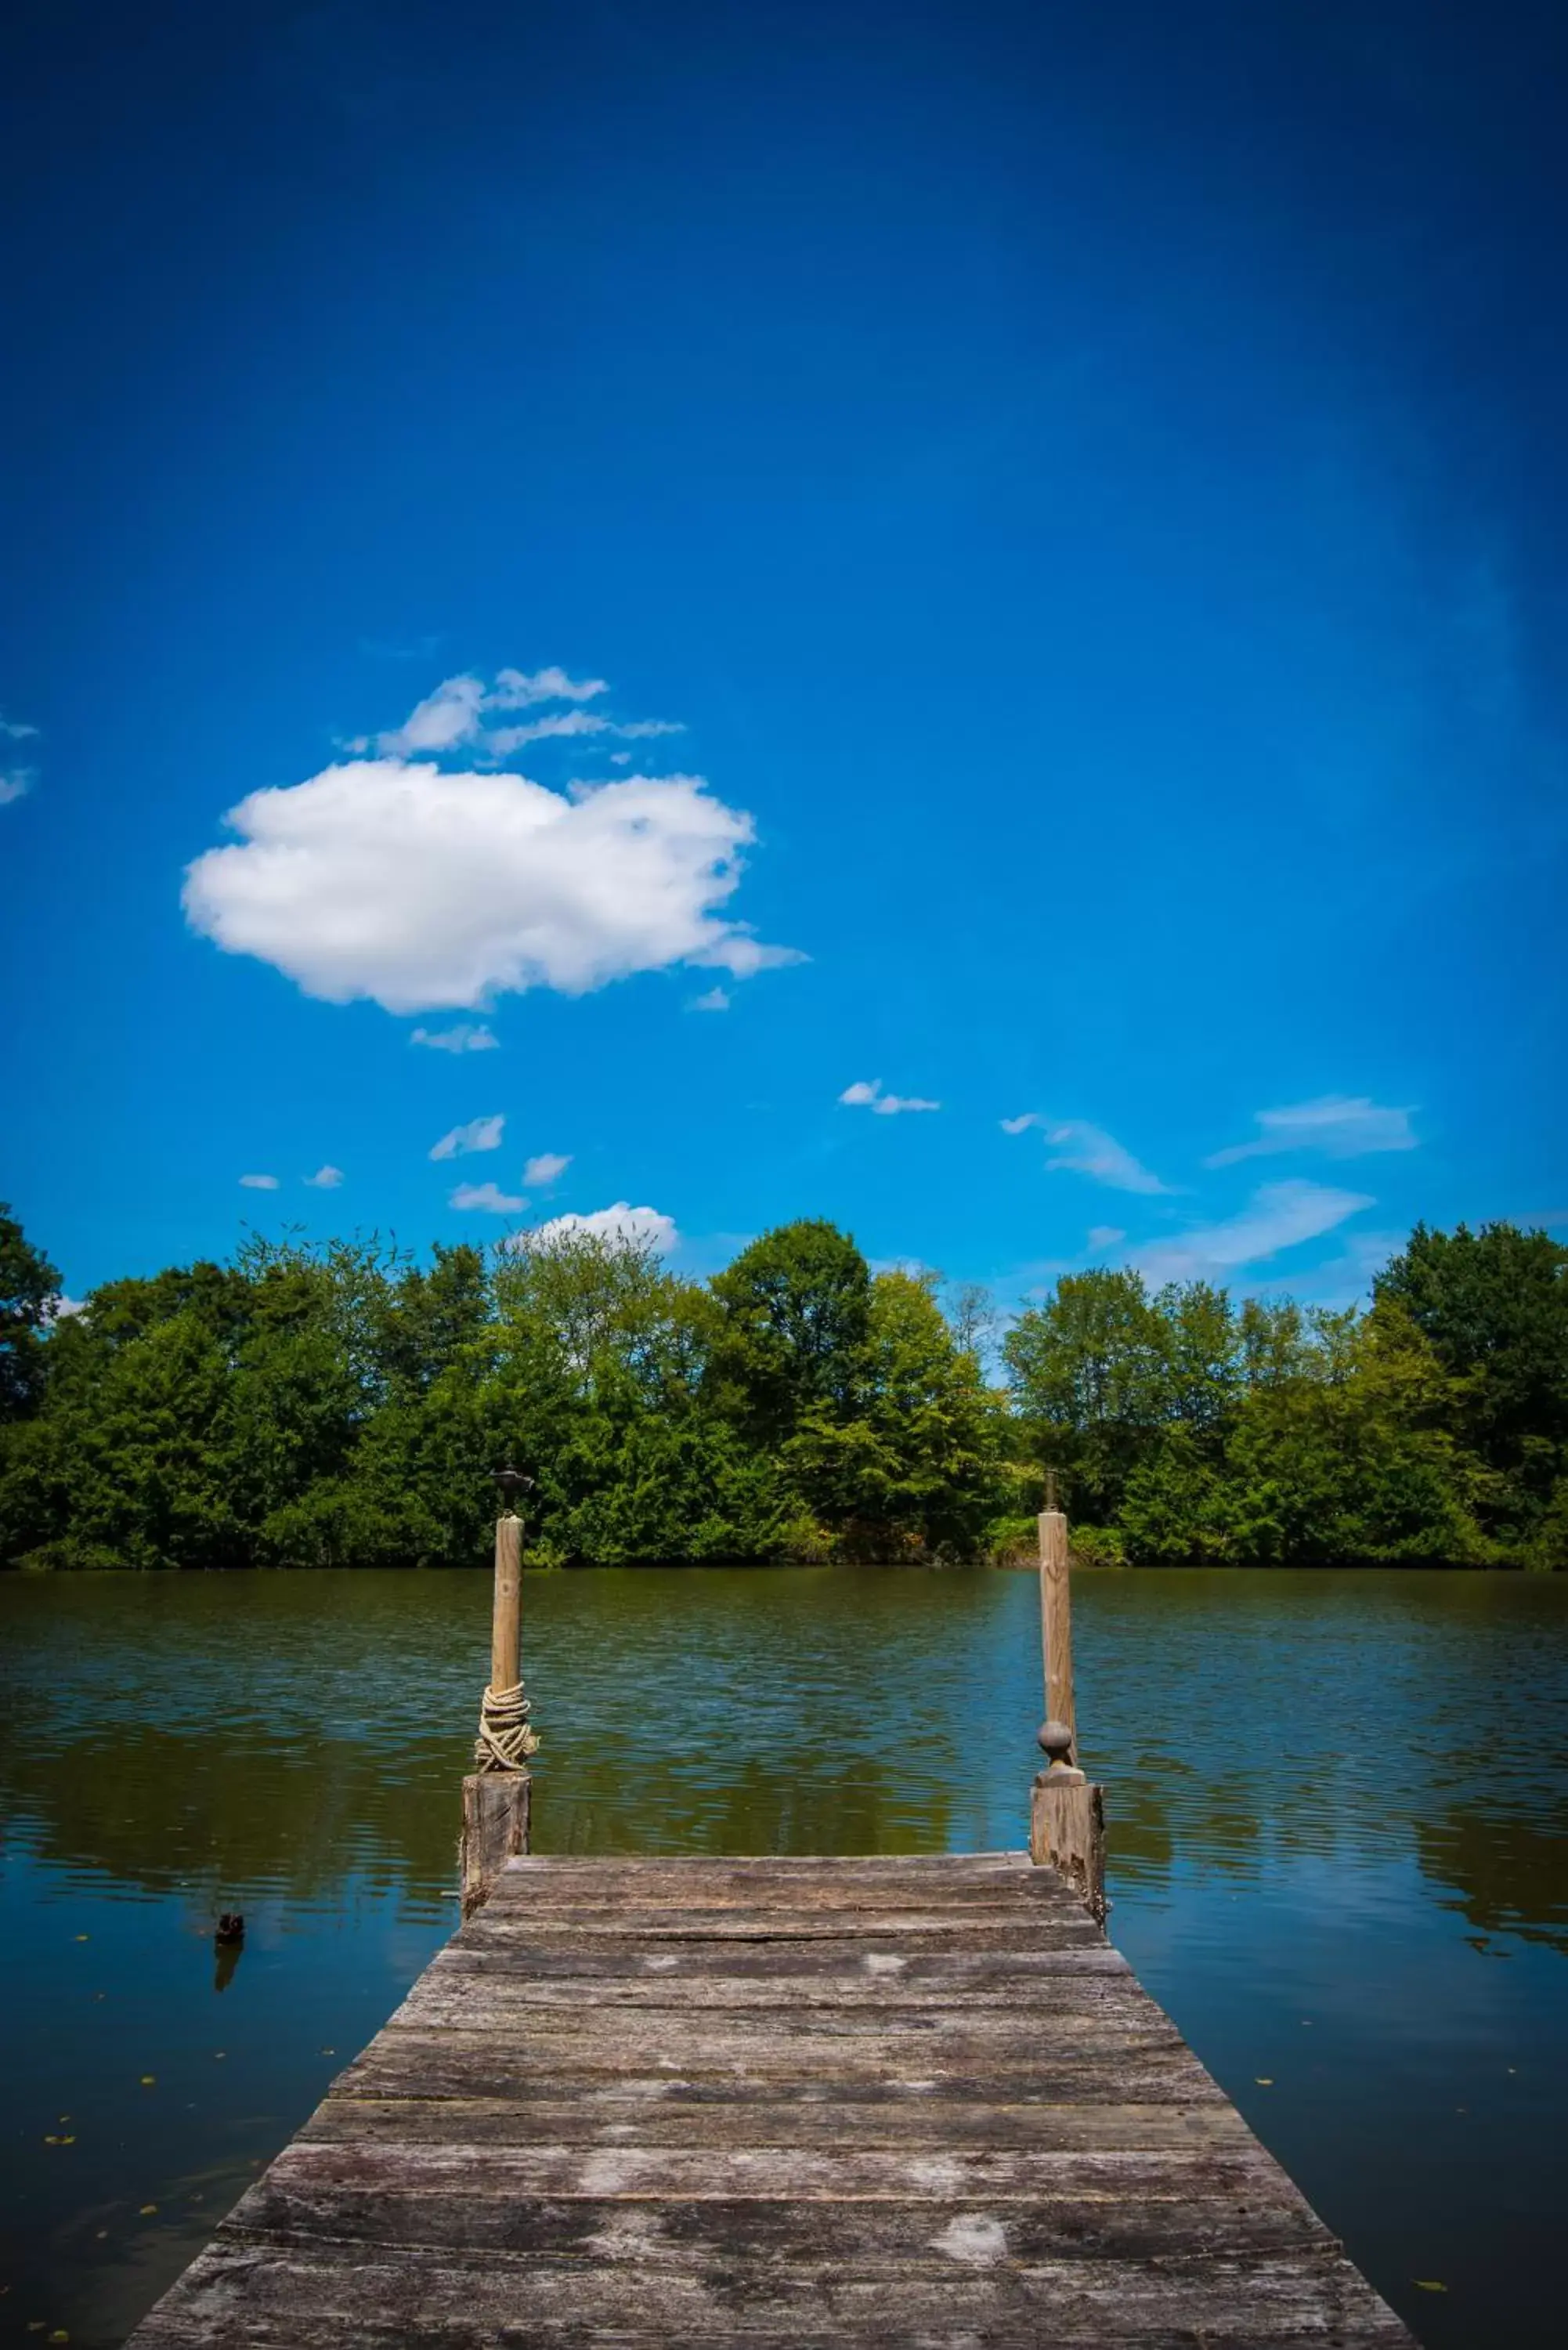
x,y
479,1134
621,1222
258,1183
867,1093
489,1197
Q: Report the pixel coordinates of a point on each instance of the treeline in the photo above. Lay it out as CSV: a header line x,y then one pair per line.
x,y
344,1406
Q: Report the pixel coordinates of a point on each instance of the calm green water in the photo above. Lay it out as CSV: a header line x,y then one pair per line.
x,y
1339,1847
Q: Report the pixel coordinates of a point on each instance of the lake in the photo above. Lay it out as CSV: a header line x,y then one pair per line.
x,y
1338,1839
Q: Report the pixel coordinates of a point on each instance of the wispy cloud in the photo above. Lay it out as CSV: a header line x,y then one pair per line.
x,y
456,715
1278,1216
1339,1125
1105,1236
621,1222
547,1168
1085,1149
326,1179
479,1134
489,1197
717,999
258,1183
867,1093
15,783
504,740
515,688
465,1037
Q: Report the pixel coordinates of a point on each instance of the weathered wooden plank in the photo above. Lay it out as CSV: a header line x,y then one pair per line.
x,y
850,1960
1237,2167
483,2001
748,2116
1142,2075
1004,1928
1010,1860
265,2298
980,1896
871,2236
513,1999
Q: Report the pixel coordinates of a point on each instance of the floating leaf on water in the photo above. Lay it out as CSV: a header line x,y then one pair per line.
x,y
148,2209
1428,2285
329,2051
219,2054
81,1937
60,2334
1265,2079
149,2080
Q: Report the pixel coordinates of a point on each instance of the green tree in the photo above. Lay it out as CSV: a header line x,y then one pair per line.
x,y
1088,1380
912,1471
29,1292
1494,1306
795,1310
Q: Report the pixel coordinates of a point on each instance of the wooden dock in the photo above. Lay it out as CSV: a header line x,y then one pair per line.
x,y
760,2102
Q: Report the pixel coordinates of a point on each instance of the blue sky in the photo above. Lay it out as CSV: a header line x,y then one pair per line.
x,y
1043,529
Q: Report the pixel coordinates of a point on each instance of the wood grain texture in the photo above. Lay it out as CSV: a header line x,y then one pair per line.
x,y
495,1814
753,2103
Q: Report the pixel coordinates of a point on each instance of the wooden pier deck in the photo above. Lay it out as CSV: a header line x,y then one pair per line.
x,y
759,2103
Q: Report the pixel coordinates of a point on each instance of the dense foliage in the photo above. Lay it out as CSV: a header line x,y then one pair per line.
x,y
343,1406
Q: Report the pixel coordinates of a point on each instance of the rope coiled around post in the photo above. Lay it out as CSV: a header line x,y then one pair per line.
x,y
504,1741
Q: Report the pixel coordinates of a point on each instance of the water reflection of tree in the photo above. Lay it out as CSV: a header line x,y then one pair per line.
x,y
675,1804
168,1810
1510,1874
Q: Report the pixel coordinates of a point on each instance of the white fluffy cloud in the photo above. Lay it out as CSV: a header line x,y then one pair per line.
x,y
422,889
1085,1149
867,1093
548,1167
258,1183
1277,1216
489,1197
620,1222
716,999
479,1134
1339,1125
326,1179
465,1037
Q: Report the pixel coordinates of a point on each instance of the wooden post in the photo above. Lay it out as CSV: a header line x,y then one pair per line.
x,y
506,1621
1056,1624
1066,1815
497,1795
